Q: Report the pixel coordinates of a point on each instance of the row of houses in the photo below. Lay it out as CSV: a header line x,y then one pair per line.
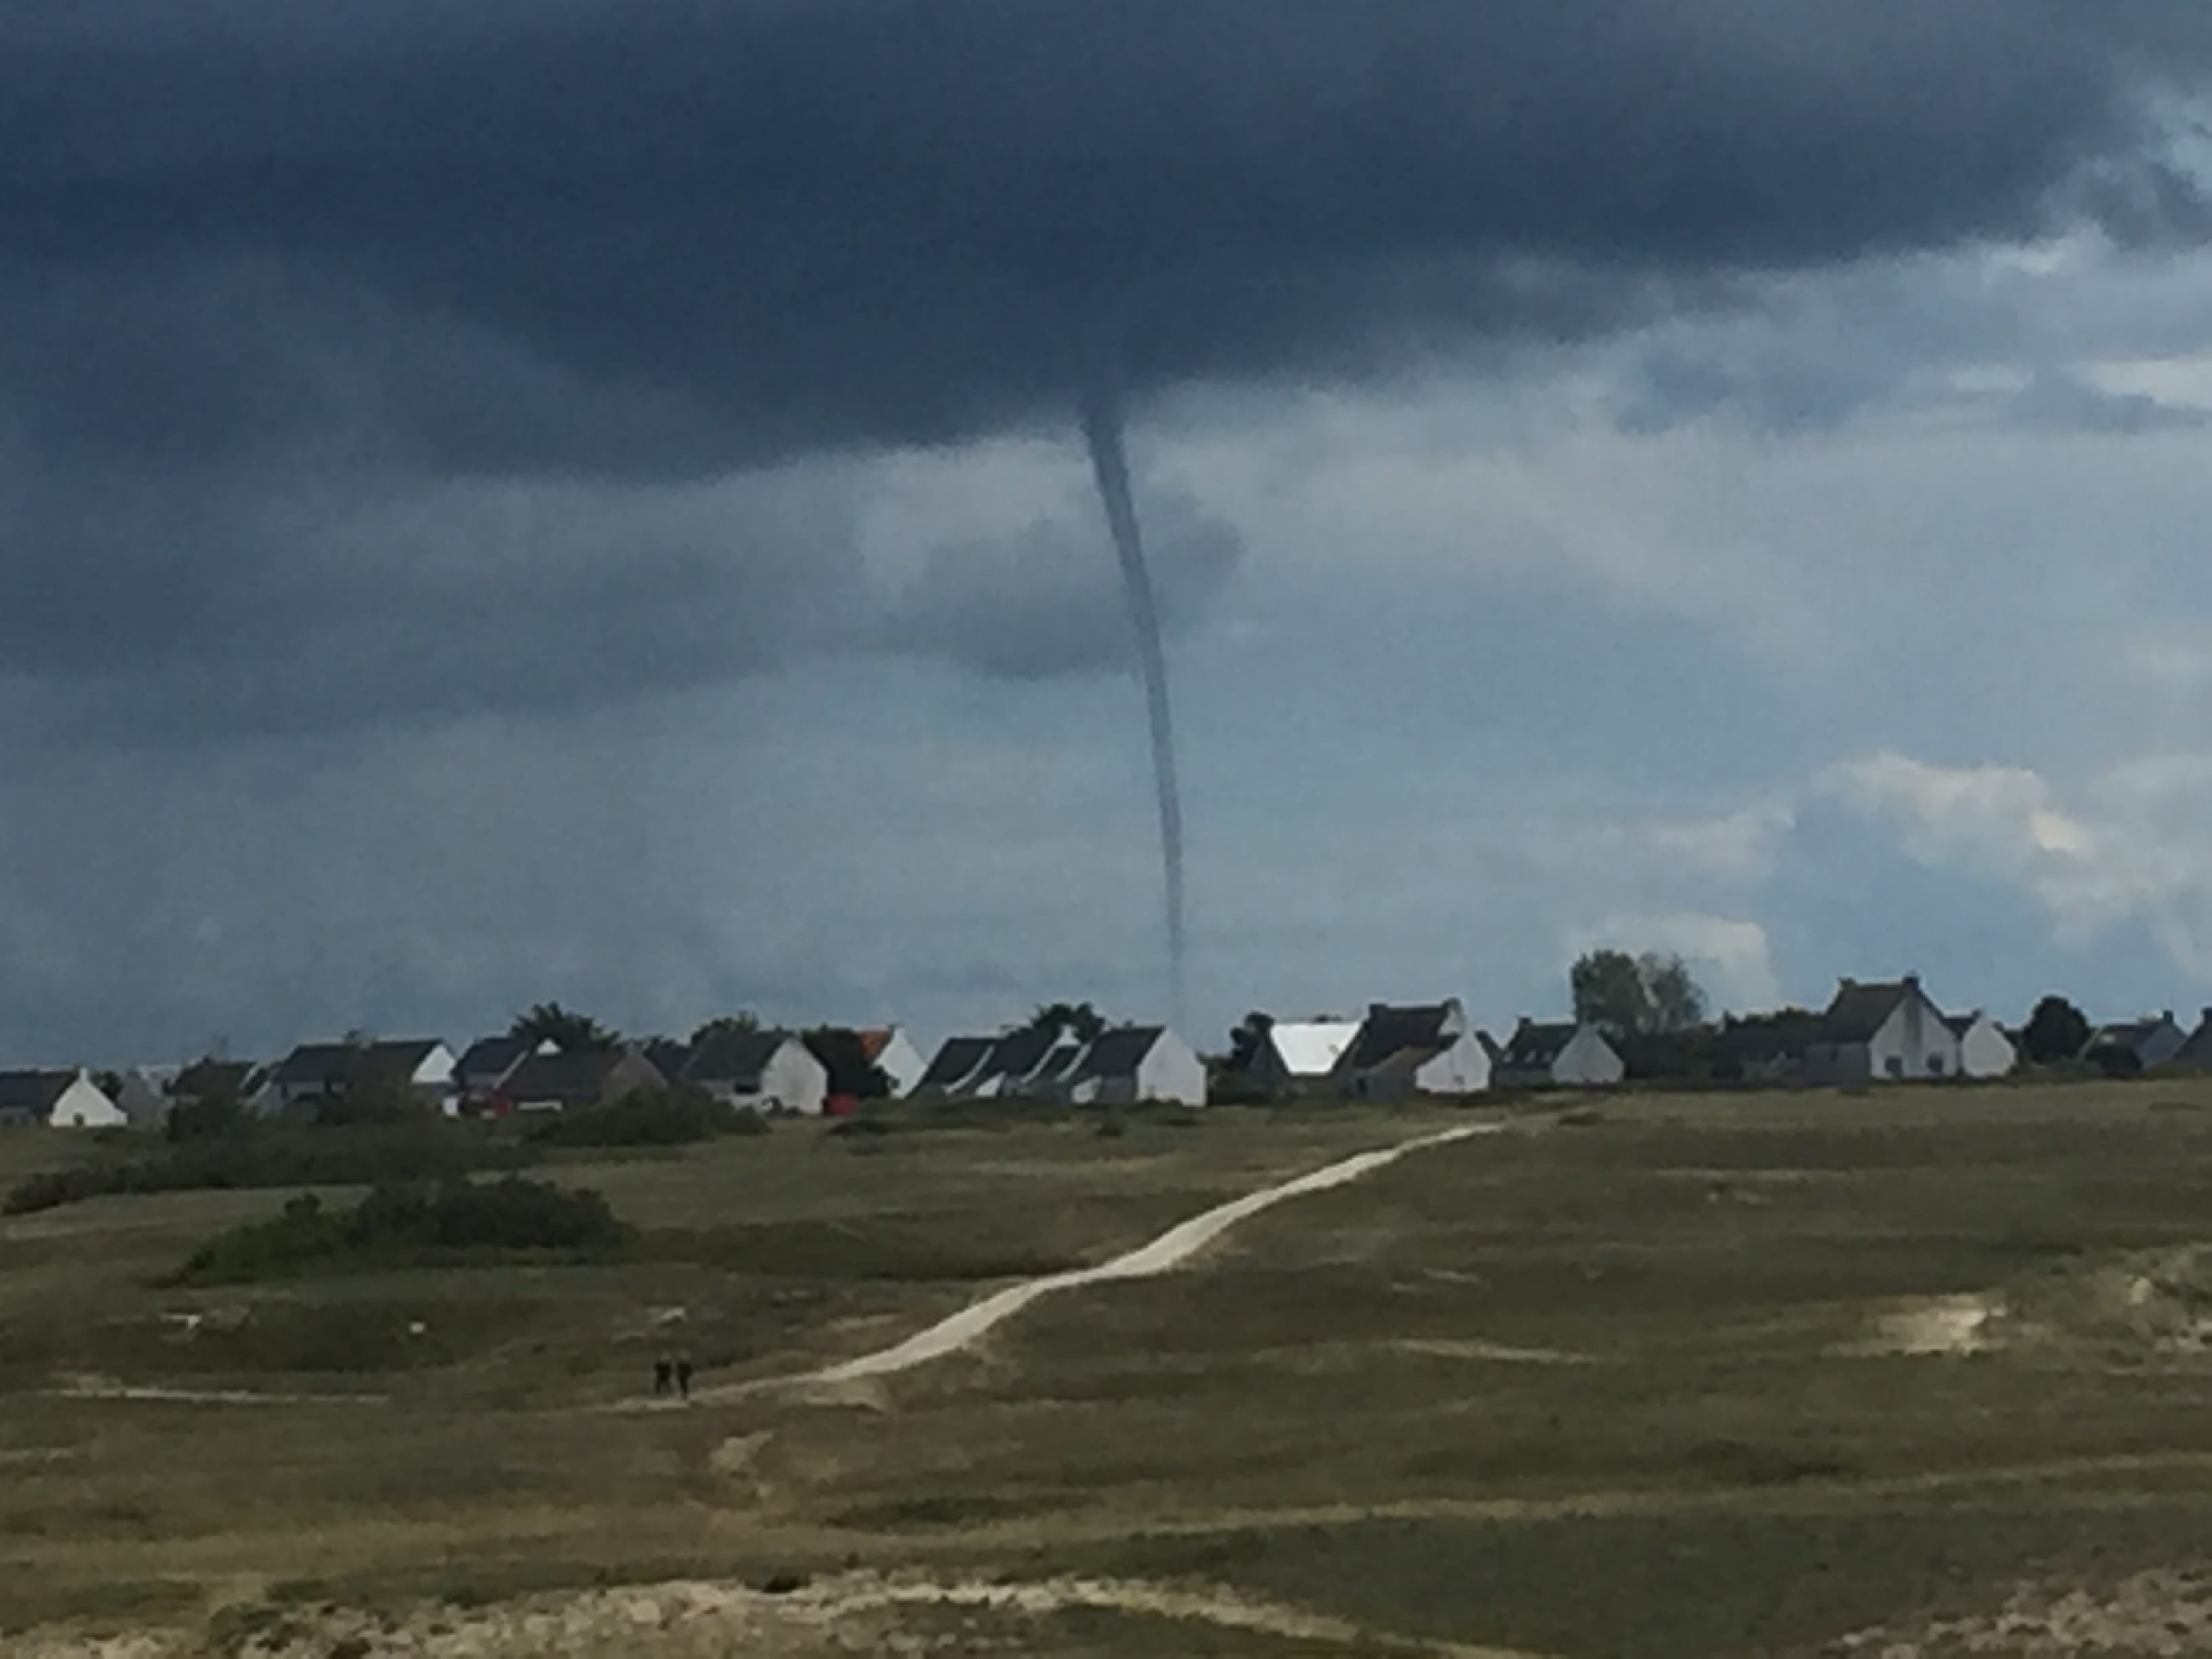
x,y
1871,1032
808,1073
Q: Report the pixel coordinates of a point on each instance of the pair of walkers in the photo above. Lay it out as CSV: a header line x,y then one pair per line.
x,y
675,1372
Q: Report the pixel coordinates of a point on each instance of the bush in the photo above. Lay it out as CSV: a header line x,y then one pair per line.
x,y
660,1117
259,1154
405,1225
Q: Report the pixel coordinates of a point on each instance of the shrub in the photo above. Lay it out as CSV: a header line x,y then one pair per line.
x,y
403,1226
256,1154
659,1117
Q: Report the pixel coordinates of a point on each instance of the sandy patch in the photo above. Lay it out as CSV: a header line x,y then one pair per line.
x,y
1494,1352
851,1613
2165,1612
1932,1326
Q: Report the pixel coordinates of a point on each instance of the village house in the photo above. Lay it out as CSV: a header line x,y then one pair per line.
x,y
891,1051
1564,1054
1882,1031
318,1071
762,1072
854,1074
1423,1050
2134,1046
1764,1048
549,1080
482,1072
1986,1050
2196,1053
56,1100
1297,1058
957,1063
144,1094
1135,1064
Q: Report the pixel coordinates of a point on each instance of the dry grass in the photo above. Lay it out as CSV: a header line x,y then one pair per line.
x,y
1342,1410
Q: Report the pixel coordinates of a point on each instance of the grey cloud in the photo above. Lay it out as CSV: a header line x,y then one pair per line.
x,y
1045,600
850,221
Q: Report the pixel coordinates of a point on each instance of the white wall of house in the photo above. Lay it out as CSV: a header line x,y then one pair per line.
x,y
901,1062
791,1081
1462,1069
1172,1072
83,1105
1589,1061
1986,1051
1914,1042
1301,1056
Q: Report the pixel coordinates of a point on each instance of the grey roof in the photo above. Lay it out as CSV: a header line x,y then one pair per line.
x,y
1017,1054
1859,1012
1059,1066
1386,1032
956,1061
211,1079
737,1058
32,1092
1756,1038
1119,1053
490,1059
574,1079
844,1054
336,1062
2131,1035
1536,1046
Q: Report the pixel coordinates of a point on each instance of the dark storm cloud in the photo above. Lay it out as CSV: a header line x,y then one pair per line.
x,y
777,225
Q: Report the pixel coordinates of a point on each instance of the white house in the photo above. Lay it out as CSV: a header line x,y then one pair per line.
x,y
547,1080
894,1054
57,1100
2134,1046
1882,1032
1983,1049
761,1071
317,1072
1564,1054
1426,1049
1300,1057
1136,1063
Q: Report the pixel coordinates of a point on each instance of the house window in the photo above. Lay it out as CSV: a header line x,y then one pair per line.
x,y
1935,1065
1894,1066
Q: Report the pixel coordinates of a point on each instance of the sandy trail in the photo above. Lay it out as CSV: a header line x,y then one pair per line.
x,y
1163,1255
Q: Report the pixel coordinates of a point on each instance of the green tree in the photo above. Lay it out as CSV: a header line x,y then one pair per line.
x,y
726,1025
1626,996
1080,1017
570,1032
1246,1038
1677,1002
2056,1032
1609,992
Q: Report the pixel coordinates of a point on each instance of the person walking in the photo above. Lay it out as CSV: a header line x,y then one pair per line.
x,y
661,1370
683,1374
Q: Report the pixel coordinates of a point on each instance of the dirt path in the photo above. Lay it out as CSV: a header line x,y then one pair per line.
x,y
1171,1250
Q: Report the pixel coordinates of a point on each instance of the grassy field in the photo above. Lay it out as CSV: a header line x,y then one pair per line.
x,y
1689,1375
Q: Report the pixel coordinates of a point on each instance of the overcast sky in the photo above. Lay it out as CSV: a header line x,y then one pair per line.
x,y
504,501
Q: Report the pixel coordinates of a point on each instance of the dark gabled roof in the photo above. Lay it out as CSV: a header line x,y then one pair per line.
x,y
1059,1066
32,1092
337,1062
1535,1048
571,1078
844,1054
737,1058
1758,1037
669,1058
213,1079
1018,1053
956,1061
490,1059
1119,1053
1859,1012
2130,1035
1386,1032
